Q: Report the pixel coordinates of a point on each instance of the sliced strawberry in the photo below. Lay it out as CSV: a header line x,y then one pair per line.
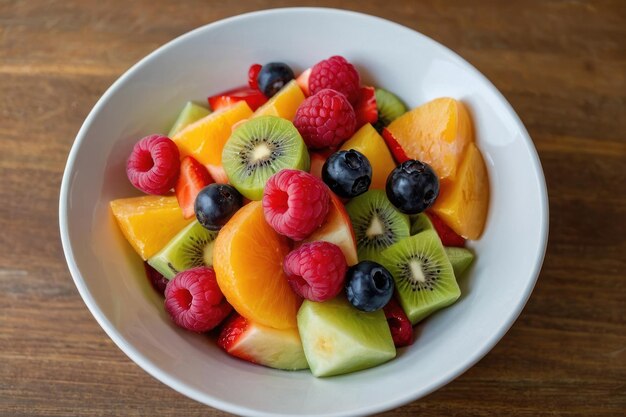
x,y
399,324
303,82
396,150
253,73
448,236
254,98
252,342
365,108
193,177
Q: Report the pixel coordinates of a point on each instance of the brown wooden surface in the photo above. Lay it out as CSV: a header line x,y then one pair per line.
x,y
562,65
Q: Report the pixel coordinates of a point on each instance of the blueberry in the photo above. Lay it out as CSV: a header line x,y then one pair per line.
x,y
412,187
273,77
347,173
215,204
369,286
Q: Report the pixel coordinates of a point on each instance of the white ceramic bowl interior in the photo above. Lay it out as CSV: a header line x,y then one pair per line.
x,y
216,57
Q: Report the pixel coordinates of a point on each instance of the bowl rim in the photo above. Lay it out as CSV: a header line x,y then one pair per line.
x,y
206,398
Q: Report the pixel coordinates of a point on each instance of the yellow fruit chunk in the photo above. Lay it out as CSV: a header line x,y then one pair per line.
x,y
205,138
367,141
463,203
148,222
248,261
436,133
284,104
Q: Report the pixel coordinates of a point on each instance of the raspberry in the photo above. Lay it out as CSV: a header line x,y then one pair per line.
x,y
194,300
338,74
316,270
399,324
325,119
153,165
295,203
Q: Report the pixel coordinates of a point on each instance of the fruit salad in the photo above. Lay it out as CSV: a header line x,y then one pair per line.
x,y
307,221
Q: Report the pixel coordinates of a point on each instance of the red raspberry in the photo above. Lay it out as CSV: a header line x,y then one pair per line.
x,y
338,74
295,203
194,300
253,72
399,324
316,270
153,165
325,119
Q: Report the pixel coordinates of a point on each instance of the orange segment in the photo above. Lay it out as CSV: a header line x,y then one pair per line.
x,y
148,222
284,104
248,261
367,141
205,139
463,203
436,133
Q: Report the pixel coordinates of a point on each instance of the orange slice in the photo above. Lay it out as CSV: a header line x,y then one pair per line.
x,y
248,261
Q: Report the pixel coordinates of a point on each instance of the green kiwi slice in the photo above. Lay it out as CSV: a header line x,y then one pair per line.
x,y
419,223
390,107
258,149
460,258
189,114
423,275
191,247
377,224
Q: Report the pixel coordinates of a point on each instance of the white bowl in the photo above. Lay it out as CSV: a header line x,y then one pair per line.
x,y
215,57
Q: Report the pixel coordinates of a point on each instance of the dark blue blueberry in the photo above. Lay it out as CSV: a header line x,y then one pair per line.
x,y
215,204
273,77
347,173
369,286
412,187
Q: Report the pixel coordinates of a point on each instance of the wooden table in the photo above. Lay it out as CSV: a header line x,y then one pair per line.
x,y
561,64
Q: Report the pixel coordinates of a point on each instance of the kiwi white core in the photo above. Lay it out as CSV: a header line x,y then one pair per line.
x,y
375,228
416,270
261,152
208,253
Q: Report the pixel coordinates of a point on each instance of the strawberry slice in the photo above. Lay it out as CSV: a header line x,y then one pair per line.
x,y
254,98
365,108
396,150
253,73
303,82
448,236
192,178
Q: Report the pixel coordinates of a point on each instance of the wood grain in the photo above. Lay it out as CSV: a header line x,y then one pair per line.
x,y
561,64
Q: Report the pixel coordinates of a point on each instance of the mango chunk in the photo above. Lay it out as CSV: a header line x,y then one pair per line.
x,y
148,222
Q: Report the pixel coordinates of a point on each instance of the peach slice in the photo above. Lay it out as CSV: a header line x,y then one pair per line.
x,y
367,141
248,261
436,133
463,203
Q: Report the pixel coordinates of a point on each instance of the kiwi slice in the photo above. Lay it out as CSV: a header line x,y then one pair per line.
x,y
189,114
423,274
460,258
390,107
377,224
191,247
419,223
258,149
